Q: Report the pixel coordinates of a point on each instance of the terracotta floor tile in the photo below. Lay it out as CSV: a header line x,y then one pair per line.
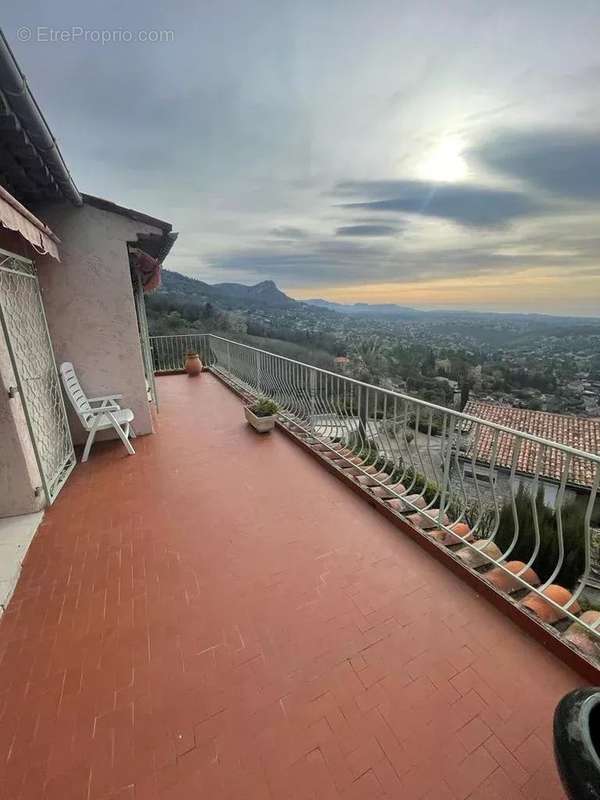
x,y
544,785
388,778
498,786
466,777
506,760
441,792
473,734
533,754
218,616
367,787
420,781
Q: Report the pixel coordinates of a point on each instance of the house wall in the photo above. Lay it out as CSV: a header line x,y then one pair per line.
x,y
19,475
90,308
504,490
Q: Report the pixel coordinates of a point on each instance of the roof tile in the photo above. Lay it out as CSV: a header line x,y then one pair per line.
x,y
581,433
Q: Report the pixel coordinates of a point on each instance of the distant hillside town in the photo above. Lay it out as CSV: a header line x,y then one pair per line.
x,y
527,361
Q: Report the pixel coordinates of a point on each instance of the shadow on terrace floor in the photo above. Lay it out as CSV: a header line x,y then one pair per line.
x,y
220,617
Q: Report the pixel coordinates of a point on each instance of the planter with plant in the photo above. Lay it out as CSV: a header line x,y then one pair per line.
x,y
261,414
193,365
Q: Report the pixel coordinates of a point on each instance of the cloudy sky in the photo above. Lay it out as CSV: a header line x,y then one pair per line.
x,y
439,154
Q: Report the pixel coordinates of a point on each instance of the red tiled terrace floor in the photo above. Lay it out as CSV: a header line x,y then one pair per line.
x,y
219,617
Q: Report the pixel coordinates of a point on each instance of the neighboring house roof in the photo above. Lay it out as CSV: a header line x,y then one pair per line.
x,y
580,433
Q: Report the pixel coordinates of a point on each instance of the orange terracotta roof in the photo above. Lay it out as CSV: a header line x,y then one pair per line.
x,y
581,433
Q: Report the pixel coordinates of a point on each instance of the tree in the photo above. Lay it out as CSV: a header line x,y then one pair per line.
x,y
236,322
368,357
573,527
428,365
465,391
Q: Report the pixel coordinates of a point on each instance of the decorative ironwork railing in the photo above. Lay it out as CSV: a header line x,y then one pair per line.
x,y
525,507
168,352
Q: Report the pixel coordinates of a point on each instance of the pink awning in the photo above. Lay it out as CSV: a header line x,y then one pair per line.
x,y
147,267
16,217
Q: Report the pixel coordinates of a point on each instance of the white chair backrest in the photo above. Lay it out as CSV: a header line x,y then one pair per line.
x,y
74,392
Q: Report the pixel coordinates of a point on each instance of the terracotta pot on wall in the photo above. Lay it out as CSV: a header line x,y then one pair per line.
x,y
193,365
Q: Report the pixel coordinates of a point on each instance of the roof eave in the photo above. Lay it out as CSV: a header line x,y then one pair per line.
x,y
138,216
24,107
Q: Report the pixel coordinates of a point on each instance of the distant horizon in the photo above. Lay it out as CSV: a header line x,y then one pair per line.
x,y
543,293
457,309
294,295
441,309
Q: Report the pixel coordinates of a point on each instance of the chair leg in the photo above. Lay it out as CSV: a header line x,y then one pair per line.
x,y
88,445
123,437
131,432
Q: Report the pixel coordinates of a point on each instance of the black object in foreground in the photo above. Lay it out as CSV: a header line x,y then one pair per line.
x,y
577,743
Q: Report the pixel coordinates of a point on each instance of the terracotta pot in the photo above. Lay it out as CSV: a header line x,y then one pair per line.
x,y
367,480
581,637
384,491
193,365
545,611
460,532
460,529
482,552
335,453
425,523
400,505
505,583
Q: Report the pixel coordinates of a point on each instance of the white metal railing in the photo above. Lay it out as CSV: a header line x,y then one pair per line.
x,y
535,500
168,352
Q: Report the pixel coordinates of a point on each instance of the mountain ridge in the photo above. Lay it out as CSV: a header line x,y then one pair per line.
x,y
265,293
372,309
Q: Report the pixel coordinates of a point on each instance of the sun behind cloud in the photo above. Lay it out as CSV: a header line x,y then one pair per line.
x,y
445,161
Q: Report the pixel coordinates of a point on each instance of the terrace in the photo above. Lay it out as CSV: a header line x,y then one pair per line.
x,y
220,616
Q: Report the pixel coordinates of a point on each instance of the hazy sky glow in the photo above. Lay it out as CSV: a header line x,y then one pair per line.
x,y
434,154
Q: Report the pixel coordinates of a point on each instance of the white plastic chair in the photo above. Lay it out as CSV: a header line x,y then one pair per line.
x,y
97,413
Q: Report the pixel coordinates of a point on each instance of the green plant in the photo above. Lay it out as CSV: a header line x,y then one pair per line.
x,y
396,429
526,507
588,605
263,407
431,424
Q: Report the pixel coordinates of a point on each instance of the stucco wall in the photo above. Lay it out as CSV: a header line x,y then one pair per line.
x,y
503,488
90,308
19,475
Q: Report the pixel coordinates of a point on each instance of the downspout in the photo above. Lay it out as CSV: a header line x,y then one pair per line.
x,y
13,85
